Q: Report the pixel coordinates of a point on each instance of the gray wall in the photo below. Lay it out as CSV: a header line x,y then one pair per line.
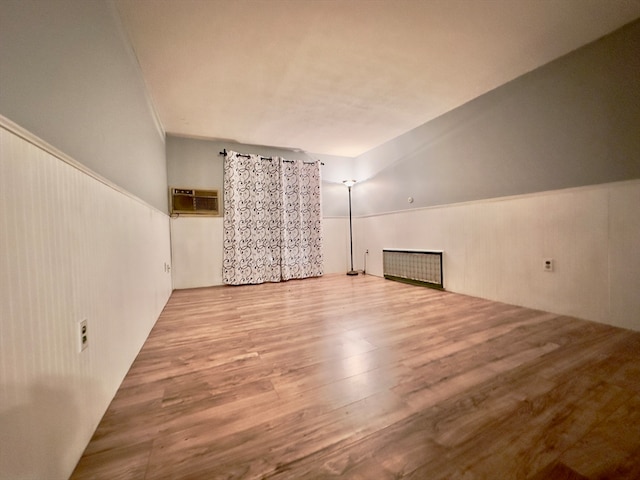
x,y
572,122
69,76
196,163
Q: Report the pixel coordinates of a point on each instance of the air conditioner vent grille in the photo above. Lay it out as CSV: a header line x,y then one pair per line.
x,y
191,201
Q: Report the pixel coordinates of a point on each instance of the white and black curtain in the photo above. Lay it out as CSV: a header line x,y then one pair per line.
x,y
272,219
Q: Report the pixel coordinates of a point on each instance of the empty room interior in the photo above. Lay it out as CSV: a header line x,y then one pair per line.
x,y
313,239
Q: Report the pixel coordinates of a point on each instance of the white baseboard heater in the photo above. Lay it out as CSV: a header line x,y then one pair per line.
x,y
420,267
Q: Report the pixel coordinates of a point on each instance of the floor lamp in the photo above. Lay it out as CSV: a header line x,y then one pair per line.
x,y
349,184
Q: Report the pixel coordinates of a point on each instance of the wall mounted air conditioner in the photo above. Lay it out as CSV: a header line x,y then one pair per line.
x,y
191,201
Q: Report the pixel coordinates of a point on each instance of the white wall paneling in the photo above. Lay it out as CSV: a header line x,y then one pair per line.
x,y
495,248
196,250
624,255
335,244
196,246
72,247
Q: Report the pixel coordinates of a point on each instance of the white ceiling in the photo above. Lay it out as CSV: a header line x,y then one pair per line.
x,y
343,76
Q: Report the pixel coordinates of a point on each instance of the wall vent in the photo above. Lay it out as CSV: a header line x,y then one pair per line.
x,y
414,266
191,201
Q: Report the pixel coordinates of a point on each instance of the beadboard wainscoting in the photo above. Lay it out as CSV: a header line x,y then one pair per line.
x,y
73,247
335,244
196,246
196,251
495,249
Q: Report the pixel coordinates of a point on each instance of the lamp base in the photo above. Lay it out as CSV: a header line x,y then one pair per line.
x,y
352,272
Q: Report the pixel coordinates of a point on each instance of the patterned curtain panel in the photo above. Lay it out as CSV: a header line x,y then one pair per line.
x,y
272,220
252,219
301,220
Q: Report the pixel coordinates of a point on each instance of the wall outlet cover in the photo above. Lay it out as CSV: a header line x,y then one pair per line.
x,y
83,335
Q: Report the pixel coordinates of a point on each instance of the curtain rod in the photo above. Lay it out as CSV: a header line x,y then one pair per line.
x,y
224,152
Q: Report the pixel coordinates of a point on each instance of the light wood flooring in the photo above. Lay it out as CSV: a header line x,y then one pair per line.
x,y
360,377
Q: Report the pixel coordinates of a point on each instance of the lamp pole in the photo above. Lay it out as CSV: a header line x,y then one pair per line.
x,y
349,184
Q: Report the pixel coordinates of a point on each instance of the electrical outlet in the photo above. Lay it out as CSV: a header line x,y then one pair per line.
x,y
83,335
548,264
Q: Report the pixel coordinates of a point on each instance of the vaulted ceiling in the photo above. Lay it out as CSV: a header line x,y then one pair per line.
x,y
343,76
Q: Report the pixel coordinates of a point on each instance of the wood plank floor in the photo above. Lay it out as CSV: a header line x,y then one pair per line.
x,y
360,377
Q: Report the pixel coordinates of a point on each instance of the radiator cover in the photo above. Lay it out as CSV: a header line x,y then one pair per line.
x,y
421,267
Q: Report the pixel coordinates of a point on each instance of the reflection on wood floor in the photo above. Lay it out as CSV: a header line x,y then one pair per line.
x,y
360,377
